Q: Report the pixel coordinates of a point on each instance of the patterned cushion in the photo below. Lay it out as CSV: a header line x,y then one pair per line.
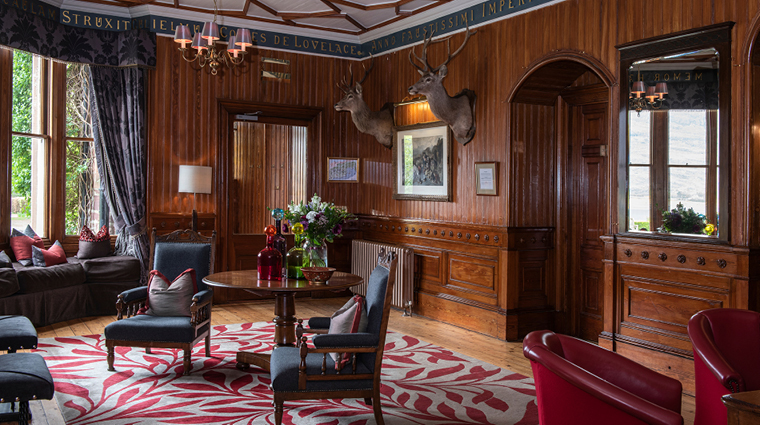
x,y
170,298
21,244
351,318
48,257
94,246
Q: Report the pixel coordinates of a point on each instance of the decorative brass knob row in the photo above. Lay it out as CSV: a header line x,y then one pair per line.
x,y
435,232
680,258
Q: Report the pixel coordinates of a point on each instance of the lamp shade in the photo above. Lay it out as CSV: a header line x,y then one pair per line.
x,y
662,89
194,179
182,34
244,38
231,46
210,32
638,88
650,93
197,44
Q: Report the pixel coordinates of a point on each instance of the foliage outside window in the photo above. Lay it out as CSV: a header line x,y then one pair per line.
x,y
31,147
29,143
85,204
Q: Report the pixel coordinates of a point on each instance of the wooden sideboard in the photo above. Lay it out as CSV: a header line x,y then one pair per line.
x,y
169,222
493,280
654,285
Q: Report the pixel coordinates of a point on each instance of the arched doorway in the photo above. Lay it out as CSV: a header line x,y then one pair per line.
x,y
560,179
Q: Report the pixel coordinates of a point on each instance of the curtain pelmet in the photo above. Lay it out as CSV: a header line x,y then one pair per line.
x,y
35,34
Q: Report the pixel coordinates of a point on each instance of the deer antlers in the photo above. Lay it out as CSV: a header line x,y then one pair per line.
x,y
347,85
423,59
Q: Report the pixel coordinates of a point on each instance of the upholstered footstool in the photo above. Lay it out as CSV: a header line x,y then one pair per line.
x,y
23,377
17,333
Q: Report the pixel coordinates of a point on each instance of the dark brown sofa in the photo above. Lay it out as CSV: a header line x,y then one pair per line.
x,y
77,289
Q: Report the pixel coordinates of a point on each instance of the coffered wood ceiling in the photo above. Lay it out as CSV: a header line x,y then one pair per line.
x,y
353,17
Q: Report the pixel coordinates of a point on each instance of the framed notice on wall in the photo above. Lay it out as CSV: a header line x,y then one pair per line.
x,y
487,178
343,170
422,162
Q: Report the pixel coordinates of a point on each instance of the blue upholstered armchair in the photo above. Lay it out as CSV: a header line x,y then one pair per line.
x,y
360,377
171,255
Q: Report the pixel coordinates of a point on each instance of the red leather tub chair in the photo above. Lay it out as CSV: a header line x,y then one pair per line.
x,y
726,345
581,383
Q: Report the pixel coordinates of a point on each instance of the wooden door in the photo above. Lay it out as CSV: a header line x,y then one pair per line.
x,y
268,171
588,217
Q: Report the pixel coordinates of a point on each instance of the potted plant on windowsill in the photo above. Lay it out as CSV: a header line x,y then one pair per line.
x,y
686,221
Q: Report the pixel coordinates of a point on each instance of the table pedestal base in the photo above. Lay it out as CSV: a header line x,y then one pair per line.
x,y
246,358
284,332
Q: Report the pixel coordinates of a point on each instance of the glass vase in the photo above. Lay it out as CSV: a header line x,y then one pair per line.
x,y
314,253
294,262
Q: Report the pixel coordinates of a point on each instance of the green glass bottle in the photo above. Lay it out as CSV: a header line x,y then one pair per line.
x,y
294,259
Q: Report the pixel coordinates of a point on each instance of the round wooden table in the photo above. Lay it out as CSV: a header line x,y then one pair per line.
x,y
284,306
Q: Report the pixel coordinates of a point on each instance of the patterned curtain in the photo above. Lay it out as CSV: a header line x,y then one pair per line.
x,y
46,37
118,97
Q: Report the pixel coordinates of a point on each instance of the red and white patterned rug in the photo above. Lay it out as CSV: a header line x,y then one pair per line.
x,y
422,384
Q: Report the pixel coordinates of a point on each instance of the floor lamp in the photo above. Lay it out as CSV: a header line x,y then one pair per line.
x,y
194,179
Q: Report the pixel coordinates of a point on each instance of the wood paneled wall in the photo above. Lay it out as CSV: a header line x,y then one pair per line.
x,y
184,123
184,120
495,60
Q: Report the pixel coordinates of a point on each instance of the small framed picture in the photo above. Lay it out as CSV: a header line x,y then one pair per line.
x,y
422,162
487,178
343,170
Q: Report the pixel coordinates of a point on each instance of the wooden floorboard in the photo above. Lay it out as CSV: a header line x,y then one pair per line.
x,y
507,355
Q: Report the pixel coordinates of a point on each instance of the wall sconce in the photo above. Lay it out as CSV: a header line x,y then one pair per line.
x,y
194,179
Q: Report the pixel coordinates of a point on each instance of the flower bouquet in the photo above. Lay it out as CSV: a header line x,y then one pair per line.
x,y
322,222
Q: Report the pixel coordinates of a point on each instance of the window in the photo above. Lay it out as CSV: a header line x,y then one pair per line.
x,y
675,136
673,159
85,202
29,142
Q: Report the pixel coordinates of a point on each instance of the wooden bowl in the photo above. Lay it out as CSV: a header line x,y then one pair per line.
x,y
317,274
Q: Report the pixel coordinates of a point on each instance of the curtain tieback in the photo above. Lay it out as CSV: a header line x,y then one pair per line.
x,y
137,229
133,230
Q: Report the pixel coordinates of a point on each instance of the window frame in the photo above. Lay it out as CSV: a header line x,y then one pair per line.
x,y
718,37
46,71
55,126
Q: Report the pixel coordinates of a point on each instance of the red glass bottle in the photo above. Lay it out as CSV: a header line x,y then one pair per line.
x,y
269,262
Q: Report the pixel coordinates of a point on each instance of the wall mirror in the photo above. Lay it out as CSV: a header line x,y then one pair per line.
x,y
674,134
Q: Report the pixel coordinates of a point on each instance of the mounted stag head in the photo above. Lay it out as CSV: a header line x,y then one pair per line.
x,y
378,124
458,111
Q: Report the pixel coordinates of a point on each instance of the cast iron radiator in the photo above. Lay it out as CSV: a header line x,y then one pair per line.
x,y
364,259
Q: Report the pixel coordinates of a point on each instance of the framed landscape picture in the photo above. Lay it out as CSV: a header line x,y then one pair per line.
x,y
343,170
422,162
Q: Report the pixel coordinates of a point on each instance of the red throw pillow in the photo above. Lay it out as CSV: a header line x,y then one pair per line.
x,y
170,298
21,244
351,318
48,257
